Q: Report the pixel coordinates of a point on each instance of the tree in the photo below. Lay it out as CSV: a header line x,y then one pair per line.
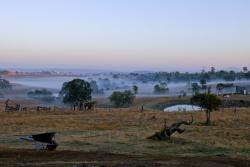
x,y
76,91
122,99
183,93
161,88
195,87
135,89
95,89
5,84
219,87
208,102
203,83
205,76
245,69
105,83
41,94
203,71
247,75
230,76
209,89
212,70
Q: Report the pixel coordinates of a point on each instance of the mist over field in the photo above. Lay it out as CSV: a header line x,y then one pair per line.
x,y
109,81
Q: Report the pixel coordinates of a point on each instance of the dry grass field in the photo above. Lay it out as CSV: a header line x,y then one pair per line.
x,y
113,136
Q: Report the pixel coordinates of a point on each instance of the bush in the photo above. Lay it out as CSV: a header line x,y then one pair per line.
x,y
41,94
122,99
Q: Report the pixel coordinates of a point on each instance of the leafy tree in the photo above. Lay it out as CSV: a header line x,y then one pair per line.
x,y
247,75
41,94
183,93
205,76
203,83
230,76
95,89
161,88
209,89
135,89
245,69
195,87
122,99
105,83
76,91
203,70
219,87
212,70
115,76
208,102
5,84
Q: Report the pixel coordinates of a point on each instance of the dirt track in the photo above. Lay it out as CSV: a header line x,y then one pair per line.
x,y
31,158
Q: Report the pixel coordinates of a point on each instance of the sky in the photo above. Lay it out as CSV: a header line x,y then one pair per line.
x,y
125,35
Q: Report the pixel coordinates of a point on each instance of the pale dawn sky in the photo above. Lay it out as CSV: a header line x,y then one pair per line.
x,y
125,34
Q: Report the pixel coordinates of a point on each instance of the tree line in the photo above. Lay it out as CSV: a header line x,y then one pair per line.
x,y
212,74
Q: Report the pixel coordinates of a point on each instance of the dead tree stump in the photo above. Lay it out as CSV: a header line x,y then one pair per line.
x,y
166,132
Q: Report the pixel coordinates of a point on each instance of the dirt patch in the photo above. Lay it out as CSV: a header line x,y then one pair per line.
x,y
16,157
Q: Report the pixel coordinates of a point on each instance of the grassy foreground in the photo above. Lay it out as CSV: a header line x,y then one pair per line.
x,y
119,135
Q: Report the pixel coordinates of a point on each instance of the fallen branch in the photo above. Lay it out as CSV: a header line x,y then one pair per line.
x,y
166,132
